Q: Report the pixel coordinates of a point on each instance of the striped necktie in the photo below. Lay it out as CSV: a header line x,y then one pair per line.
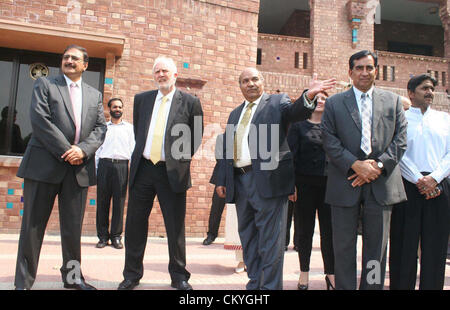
x,y
366,118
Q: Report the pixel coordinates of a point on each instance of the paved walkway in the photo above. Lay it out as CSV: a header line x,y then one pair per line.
x,y
212,267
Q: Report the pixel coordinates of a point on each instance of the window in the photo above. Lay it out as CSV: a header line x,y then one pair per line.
x,y
305,60
385,73
297,60
444,78
258,56
16,85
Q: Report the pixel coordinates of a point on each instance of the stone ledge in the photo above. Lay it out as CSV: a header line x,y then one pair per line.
x,y
411,56
10,161
277,37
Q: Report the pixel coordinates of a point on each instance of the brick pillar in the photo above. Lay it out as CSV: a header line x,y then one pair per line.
x,y
331,34
445,18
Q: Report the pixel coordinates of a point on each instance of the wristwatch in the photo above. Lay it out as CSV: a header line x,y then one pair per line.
x,y
380,165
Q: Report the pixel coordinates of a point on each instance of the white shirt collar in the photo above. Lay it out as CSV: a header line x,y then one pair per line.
x,y
358,93
415,110
111,123
169,95
256,102
69,81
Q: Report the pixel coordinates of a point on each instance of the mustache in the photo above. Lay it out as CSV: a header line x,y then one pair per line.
x,y
70,65
429,96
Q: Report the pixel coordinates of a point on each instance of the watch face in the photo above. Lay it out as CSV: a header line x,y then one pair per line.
x,y
380,165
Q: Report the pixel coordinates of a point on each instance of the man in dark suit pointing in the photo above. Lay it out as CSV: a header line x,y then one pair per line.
x,y
68,127
160,166
257,173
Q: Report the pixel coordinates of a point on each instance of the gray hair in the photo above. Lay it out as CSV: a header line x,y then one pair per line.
x,y
168,61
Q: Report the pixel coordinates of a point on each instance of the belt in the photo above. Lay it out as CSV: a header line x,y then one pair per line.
x,y
242,170
158,164
111,160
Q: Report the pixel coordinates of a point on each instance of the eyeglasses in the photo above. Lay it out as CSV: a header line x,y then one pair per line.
x,y
74,58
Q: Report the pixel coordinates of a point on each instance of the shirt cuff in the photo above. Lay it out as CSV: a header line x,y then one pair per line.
x,y
436,176
310,104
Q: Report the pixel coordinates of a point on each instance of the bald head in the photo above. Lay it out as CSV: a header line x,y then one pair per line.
x,y
405,102
251,83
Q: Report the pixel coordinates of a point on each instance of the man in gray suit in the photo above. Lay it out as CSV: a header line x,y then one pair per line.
x,y
364,136
68,127
257,173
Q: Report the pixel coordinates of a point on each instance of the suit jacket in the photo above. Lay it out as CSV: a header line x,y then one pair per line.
x,y
274,171
341,130
183,111
53,123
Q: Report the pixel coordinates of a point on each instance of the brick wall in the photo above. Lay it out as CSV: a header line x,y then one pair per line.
x,y
211,41
332,38
279,53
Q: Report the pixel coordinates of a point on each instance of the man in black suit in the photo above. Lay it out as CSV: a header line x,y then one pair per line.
x,y
257,173
218,203
68,127
168,127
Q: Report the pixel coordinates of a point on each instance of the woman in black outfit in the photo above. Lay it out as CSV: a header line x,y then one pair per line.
x,y
305,141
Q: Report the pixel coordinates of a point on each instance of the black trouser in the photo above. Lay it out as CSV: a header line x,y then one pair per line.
x,y
112,180
39,198
425,221
311,200
291,214
215,214
150,181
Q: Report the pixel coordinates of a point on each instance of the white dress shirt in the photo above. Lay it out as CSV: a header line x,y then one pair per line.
x,y
246,159
428,145
119,142
148,143
79,104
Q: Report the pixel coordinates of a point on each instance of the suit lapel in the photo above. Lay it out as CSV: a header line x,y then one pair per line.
x,y
352,106
84,103
174,106
260,106
237,114
64,90
147,109
377,108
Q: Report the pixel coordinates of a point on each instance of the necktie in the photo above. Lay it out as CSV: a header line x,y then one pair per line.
x,y
74,97
366,118
242,126
158,133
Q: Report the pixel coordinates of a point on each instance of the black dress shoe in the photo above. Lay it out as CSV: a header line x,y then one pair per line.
x,y
209,239
101,244
128,284
181,285
116,243
82,286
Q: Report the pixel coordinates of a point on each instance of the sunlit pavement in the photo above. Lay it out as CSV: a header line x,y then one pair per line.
x,y
211,267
